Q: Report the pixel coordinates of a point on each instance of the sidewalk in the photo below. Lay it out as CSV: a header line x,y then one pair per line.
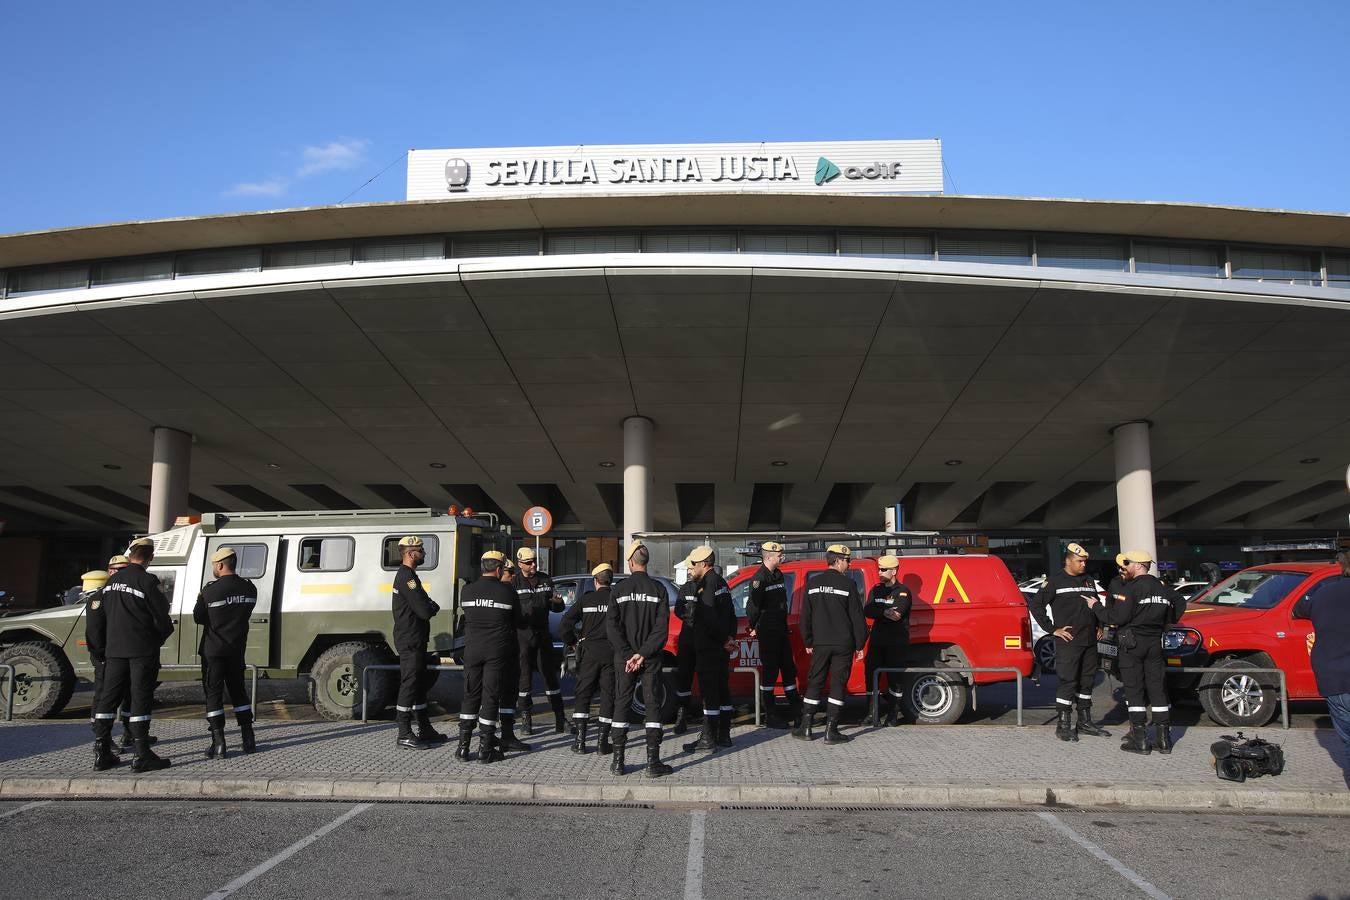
x,y
991,766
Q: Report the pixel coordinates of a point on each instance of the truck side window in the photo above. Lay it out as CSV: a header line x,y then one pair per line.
x,y
393,556
250,560
326,554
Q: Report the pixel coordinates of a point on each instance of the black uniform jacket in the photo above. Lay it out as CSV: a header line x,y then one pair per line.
x,y
135,613
413,610
884,597
95,624
639,617
713,614
832,614
1329,610
223,610
1067,596
1146,609
491,612
535,601
767,606
592,611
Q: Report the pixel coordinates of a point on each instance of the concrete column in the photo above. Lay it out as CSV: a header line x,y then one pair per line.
x,y
637,478
169,477
1134,488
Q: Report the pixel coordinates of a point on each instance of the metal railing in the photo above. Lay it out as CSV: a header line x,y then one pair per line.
x,y
876,682
759,689
188,667
13,686
1224,674
390,667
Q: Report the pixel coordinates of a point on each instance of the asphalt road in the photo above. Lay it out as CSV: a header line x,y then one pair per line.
x,y
151,849
995,705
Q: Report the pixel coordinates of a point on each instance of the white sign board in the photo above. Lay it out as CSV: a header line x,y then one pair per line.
x,y
846,167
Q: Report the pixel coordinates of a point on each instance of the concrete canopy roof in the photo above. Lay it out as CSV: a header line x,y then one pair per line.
x,y
864,378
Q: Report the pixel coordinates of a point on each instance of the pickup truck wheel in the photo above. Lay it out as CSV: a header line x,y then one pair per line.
x,y
43,679
934,698
1239,699
1045,654
335,680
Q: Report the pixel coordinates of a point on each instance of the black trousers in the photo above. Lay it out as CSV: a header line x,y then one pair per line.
x,y
596,673
885,655
484,667
775,654
710,664
1076,669
684,666
650,678
536,652
134,677
221,674
834,663
1142,671
414,681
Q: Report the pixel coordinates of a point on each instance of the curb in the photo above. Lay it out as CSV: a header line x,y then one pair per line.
x,y
672,793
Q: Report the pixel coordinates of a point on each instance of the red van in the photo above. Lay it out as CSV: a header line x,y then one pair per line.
x,y
967,612
1246,622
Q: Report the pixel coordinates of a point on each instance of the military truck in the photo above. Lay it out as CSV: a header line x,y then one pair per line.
x,y
324,583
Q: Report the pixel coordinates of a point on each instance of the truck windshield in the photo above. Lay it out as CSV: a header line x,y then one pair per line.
x,y
1253,589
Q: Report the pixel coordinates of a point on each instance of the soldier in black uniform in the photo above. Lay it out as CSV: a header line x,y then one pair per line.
x,y
595,664
223,610
413,610
1074,626
687,709
491,612
1142,615
537,598
833,632
888,606
115,564
710,617
136,624
767,610
95,631
638,625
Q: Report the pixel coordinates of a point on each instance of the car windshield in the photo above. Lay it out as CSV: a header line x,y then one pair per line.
x,y
1253,589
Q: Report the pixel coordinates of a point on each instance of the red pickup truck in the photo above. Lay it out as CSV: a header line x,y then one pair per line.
x,y
1246,622
967,612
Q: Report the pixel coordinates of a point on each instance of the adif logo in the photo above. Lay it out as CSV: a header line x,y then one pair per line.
x,y
826,171
457,175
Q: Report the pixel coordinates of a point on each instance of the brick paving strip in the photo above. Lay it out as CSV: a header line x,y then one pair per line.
x,y
959,766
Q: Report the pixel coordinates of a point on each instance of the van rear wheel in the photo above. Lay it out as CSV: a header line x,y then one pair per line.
x,y
335,680
43,679
934,698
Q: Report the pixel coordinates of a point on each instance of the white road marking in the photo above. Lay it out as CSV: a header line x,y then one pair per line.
x,y
18,809
693,868
1125,871
265,867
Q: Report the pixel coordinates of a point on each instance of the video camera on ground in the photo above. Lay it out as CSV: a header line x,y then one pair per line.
x,y
1238,758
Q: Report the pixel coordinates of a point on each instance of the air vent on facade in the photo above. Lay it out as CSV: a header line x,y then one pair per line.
x,y
766,506
552,499
396,495
202,505
325,496
696,503
838,508
257,499
612,496
112,498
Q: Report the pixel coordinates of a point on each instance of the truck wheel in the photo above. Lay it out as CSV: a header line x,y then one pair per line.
x,y
335,680
934,698
1045,654
665,702
43,679
1239,699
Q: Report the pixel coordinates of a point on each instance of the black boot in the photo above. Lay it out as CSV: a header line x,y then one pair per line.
x,y
1085,725
128,742
247,742
682,716
559,720
217,748
892,711
1162,741
525,709
146,760
1137,740
465,739
769,707
707,738
104,758
1064,727
603,744
833,735
794,707
425,733
620,743
488,751
579,742
804,725
406,739
509,740
723,733
655,768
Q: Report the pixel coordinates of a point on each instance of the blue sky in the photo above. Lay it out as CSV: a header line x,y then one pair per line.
x,y
148,110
